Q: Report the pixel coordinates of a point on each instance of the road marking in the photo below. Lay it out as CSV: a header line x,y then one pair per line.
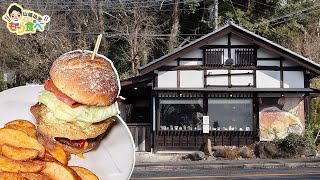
x,y
230,176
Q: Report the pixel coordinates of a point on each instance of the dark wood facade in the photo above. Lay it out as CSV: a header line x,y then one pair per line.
x,y
195,140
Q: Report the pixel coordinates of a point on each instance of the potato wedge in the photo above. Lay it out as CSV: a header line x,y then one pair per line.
x,y
10,175
10,165
34,176
84,173
18,153
21,122
59,154
48,158
20,139
57,171
28,130
68,155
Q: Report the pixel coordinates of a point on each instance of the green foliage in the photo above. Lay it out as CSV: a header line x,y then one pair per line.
x,y
290,143
315,108
192,4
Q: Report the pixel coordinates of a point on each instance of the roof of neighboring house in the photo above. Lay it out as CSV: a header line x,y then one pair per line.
x,y
244,33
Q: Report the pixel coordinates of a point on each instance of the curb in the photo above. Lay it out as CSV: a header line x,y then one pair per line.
x,y
225,166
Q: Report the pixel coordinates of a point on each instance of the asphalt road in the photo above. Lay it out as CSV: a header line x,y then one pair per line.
x,y
198,174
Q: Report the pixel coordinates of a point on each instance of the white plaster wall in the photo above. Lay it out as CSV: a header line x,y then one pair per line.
x,y
268,63
263,53
236,40
167,79
220,41
198,53
242,80
218,71
191,79
172,63
188,63
293,79
287,63
217,80
268,79
241,71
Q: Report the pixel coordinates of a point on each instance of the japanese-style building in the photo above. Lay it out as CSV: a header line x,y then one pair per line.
x,y
251,88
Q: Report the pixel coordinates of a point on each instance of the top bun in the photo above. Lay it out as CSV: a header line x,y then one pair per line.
x,y
91,82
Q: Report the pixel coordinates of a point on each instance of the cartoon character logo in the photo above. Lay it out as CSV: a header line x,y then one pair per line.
x,y
22,21
15,13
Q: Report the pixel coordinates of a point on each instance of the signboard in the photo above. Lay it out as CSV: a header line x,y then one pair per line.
x,y
22,21
279,117
206,120
205,126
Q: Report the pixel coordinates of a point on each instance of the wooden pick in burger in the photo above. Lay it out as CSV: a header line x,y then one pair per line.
x,y
96,47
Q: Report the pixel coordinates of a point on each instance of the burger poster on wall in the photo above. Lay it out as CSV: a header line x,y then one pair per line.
x,y
278,117
22,21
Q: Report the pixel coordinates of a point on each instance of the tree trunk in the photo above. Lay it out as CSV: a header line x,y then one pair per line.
x,y
213,14
173,41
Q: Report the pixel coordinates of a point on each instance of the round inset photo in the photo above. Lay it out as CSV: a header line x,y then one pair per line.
x,y
113,158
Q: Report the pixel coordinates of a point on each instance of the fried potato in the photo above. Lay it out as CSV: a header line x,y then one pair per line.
x,y
57,171
21,122
22,125
10,175
48,158
22,156
10,165
84,173
19,153
68,155
34,176
20,139
28,130
59,154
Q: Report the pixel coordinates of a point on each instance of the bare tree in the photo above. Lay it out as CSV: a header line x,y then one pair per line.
x,y
136,26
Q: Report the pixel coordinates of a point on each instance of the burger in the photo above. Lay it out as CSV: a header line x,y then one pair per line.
x,y
78,104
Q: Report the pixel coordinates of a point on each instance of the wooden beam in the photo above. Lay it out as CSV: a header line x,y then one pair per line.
x,y
281,72
276,50
226,46
185,50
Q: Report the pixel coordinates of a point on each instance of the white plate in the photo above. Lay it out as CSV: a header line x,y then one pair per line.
x,y
114,158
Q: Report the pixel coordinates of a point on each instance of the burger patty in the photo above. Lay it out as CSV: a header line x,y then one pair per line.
x,y
79,143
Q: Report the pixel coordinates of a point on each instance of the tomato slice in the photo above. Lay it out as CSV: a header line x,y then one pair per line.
x,y
81,143
49,86
71,142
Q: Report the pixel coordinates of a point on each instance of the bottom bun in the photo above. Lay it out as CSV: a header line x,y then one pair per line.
x,y
50,132
51,144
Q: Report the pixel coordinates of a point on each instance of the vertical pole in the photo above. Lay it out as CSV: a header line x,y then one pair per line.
x,y
213,14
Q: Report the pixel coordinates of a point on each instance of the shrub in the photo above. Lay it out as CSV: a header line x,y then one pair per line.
x,y
290,143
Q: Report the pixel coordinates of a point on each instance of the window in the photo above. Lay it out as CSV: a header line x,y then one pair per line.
x,y
180,114
230,114
214,57
245,57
